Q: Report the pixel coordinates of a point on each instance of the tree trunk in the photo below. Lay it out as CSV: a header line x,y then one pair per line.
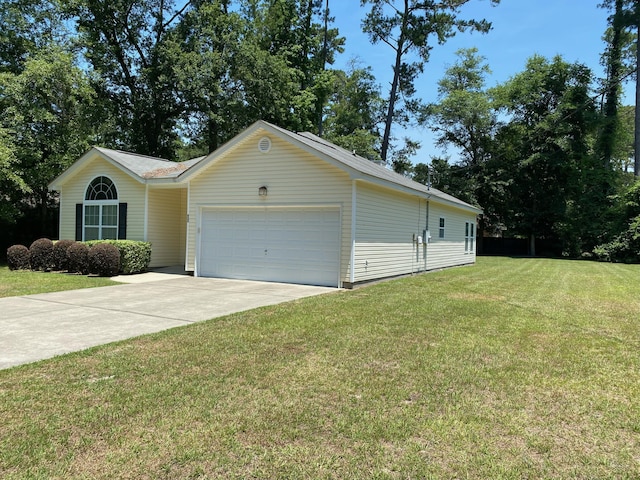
x,y
392,100
532,244
320,101
612,92
394,85
636,163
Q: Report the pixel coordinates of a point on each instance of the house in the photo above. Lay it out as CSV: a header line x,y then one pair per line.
x,y
268,205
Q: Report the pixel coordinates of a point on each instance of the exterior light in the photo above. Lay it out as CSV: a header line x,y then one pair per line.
x,y
262,191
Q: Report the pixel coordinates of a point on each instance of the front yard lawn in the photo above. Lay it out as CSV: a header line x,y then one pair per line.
x,y
513,368
26,282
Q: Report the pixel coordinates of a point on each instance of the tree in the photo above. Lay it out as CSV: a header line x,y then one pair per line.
x,y
355,111
407,26
205,49
124,42
46,124
28,26
297,33
624,20
542,154
465,119
11,182
444,176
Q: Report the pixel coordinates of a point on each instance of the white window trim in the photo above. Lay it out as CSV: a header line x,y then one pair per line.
x,y
442,225
100,226
100,203
469,237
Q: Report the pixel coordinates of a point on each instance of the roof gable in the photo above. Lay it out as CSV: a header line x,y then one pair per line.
x,y
357,167
140,167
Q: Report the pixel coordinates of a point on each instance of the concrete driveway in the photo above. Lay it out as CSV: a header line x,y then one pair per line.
x,y
35,327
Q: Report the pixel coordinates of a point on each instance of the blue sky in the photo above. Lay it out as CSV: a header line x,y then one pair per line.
x,y
521,28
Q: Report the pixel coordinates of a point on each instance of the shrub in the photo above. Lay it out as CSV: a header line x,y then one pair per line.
x,y
135,256
60,258
104,260
41,254
623,248
78,258
18,257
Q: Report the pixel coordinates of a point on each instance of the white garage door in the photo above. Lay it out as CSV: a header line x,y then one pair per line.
x,y
291,245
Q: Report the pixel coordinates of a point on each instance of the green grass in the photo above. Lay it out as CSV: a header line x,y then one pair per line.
x,y
25,282
513,368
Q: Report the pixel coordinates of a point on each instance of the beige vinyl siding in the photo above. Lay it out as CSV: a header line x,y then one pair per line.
x,y
166,227
386,222
129,191
292,176
448,251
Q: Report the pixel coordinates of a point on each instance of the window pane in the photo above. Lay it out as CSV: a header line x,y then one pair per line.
x,y
442,223
109,215
91,233
92,215
109,233
101,188
466,229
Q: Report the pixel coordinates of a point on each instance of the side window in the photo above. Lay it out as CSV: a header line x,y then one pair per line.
x,y
441,228
100,218
469,236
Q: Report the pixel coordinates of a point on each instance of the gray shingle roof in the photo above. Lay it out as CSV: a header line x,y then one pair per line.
x,y
148,167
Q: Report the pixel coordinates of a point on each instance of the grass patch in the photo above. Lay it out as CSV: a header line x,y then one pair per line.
x,y
513,368
26,282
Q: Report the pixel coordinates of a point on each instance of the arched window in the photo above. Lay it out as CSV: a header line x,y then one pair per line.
x,y
101,188
100,210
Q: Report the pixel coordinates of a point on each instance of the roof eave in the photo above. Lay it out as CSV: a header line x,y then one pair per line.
x,y
57,183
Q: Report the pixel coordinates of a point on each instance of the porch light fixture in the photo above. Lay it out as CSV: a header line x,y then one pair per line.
x,y
262,191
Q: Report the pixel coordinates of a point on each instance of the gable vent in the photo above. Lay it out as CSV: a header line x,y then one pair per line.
x,y
264,144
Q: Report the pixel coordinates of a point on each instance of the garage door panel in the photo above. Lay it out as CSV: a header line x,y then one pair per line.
x,y
297,245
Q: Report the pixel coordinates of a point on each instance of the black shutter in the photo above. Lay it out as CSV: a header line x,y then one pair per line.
x,y
78,222
122,221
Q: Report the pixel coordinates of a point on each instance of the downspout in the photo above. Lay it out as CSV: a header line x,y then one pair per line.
x,y
426,240
146,212
187,226
415,258
352,274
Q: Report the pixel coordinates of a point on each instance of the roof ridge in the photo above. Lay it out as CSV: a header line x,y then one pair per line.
x,y
124,152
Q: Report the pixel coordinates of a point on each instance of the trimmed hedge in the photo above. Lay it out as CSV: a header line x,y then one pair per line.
x,y
135,256
18,257
60,258
41,254
77,255
104,260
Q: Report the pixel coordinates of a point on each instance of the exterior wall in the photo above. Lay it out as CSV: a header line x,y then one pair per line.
x,y
386,222
292,176
166,227
450,250
129,191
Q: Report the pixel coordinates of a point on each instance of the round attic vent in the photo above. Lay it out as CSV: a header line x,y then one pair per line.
x,y
264,144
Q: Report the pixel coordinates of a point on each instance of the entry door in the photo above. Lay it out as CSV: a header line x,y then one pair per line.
x,y
291,245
